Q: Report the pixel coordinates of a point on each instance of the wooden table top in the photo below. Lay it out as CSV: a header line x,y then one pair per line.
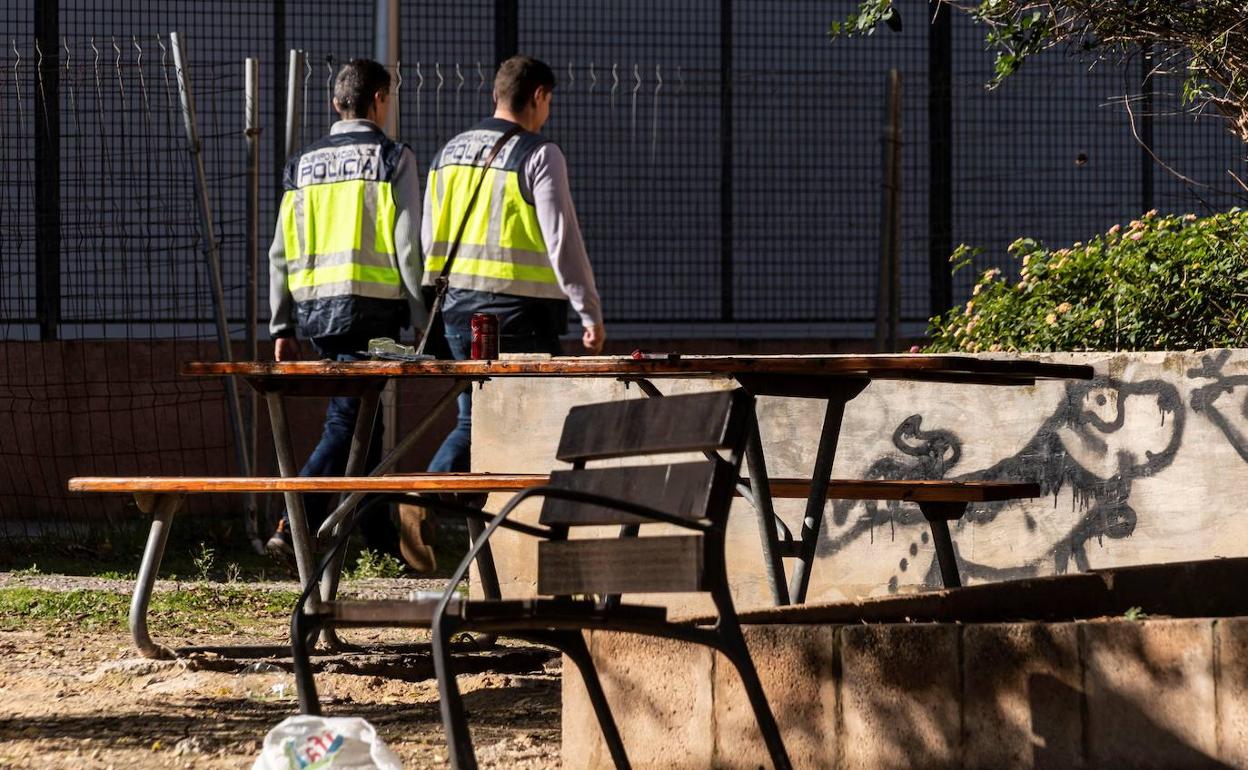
x,y
944,368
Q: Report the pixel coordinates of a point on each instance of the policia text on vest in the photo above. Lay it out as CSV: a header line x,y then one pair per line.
x,y
338,224
503,249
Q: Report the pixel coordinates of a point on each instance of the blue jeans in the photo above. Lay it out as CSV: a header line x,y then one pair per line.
x,y
455,454
329,458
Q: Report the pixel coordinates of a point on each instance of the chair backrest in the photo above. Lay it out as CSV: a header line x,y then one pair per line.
x,y
699,490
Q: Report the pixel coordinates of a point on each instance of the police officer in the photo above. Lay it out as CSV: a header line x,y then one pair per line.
x,y
344,265
521,256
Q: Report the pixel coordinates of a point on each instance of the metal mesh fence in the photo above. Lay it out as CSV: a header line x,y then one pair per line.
x,y
725,158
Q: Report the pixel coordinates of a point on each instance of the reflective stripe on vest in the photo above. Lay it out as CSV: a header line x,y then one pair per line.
x,y
502,250
338,226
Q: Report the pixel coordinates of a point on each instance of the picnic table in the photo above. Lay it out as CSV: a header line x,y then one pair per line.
x,y
836,379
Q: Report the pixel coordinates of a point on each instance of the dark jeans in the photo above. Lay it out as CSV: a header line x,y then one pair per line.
x,y
455,454
329,458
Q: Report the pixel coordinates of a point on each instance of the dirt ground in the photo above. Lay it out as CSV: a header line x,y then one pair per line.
x,y
70,699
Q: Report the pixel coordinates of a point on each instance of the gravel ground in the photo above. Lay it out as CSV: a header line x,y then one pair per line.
x,y
72,699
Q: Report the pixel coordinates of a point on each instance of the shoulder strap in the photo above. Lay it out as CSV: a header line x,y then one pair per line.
x,y
442,282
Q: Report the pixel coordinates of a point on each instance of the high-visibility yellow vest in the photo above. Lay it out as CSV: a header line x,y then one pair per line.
x,y
338,218
502,249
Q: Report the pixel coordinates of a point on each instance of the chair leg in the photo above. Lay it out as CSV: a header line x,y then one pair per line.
x,y
574,645
303,633
739,655
458,738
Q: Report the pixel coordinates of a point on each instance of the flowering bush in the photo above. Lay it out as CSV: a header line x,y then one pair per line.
x,y
1160,283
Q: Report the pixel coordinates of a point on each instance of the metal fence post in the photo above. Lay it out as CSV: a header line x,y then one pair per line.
x,y
294,102
47,177
940,156
1147,165
279,100
211,251
888,294
386,51
726,279
506,30
251,132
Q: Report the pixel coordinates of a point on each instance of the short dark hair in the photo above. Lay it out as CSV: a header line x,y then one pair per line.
x,y
518,79
357,82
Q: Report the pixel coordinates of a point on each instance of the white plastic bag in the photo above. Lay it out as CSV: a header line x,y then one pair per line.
x,y
325,743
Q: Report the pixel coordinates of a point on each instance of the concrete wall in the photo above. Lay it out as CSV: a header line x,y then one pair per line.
x,y
1146,463
1106,694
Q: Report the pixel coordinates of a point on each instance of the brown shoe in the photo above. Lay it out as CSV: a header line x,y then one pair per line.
x,y
281,548
416,537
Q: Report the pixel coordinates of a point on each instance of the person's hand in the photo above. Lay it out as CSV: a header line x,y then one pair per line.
x,y
594,338
286,349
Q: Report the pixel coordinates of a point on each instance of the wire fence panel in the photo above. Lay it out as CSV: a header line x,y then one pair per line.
x,y
131,283
638,113
726,160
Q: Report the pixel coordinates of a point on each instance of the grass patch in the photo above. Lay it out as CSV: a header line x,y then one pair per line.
x,y
200,609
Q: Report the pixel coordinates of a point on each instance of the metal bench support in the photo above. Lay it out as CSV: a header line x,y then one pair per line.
x,y
162,508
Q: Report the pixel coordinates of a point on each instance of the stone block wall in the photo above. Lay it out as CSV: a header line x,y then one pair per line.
x,y
1100,694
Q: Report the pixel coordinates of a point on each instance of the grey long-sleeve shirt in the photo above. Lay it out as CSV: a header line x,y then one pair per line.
x,y
546,175
405,186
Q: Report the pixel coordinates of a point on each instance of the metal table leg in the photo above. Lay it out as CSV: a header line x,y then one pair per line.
x,y
286,467
819,481
760,497
392,457
938,516
361,439
162,508
485,562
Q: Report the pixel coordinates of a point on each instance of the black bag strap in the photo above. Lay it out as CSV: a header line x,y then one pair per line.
x,y
442,282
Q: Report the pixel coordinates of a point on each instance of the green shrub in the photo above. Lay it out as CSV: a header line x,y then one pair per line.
x,y
371,564
1160,283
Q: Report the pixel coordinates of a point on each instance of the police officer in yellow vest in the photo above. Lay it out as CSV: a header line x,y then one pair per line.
x,y
521,256
344,265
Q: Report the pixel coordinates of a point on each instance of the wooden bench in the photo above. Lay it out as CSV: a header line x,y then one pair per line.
x,y
162,496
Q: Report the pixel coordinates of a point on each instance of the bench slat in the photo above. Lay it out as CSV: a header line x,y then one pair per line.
x,y
785,488
651,426
668,564
914,491
450,482
681,489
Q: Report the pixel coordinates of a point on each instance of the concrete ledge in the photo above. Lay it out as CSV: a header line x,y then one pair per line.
x,y
1108,693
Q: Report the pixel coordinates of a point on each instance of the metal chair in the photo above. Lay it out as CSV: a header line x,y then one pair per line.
x,y
693,496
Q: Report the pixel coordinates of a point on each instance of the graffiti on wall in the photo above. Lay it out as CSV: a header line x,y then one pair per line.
x,y
1217,399
1102,438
